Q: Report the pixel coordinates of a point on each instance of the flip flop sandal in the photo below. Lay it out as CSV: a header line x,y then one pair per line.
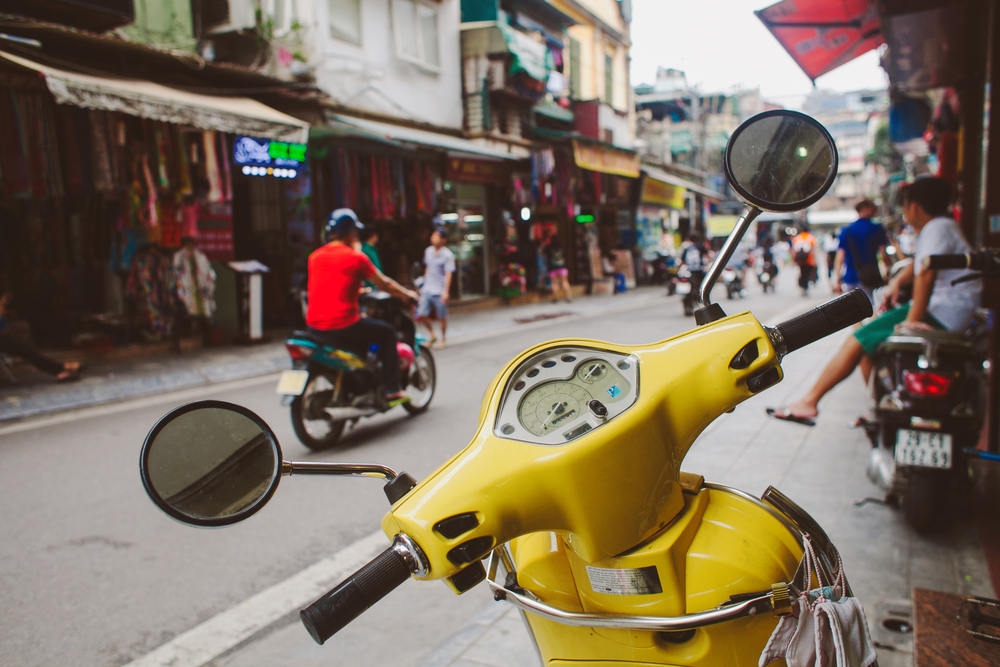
x,y
779,413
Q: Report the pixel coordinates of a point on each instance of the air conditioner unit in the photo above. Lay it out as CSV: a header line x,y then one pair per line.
x,y
222,16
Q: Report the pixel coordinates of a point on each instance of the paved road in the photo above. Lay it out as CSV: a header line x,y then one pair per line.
x,y
92,574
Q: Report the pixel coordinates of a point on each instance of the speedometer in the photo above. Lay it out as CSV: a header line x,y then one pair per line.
x,y
551,406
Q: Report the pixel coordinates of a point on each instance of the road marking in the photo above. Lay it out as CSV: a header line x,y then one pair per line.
x,y
179,396
203,643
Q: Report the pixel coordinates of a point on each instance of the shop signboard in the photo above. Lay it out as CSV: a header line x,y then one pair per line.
x,y
215,231
268,157
720,225
477,171
664,194
606,159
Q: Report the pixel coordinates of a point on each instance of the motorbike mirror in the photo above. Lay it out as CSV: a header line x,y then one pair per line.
x,y
781,161
210,463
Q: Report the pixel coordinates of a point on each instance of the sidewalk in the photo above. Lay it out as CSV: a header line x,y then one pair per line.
x,y
110,381
822,469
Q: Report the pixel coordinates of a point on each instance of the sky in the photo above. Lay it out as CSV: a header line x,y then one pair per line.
x,y
721,43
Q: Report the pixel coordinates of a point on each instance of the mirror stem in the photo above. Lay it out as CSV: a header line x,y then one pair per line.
x,y
748,215
322,468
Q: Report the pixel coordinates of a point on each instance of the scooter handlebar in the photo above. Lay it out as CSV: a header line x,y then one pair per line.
x,y
329,614
824,320
937,262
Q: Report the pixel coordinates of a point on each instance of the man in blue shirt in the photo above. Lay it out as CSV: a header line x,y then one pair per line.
x,y
440,265
861,242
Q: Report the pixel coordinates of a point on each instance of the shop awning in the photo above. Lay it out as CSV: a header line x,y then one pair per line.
x,y
606,159
409,135
822,35
237,115
677,181
840,216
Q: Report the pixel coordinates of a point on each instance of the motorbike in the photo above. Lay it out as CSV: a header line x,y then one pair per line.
x,y
329,388
687,283
571,488
926,392
733,281
766,271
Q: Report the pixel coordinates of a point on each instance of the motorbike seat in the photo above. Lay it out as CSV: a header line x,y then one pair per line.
x,y
953,342
307,335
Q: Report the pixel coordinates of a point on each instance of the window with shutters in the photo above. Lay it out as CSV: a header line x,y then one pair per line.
x,y
575,77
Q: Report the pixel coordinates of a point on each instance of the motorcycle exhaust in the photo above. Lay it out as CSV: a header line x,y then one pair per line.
x,y
881,468
338,414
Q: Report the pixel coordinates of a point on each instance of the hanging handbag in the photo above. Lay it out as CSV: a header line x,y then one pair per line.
x,y
826,627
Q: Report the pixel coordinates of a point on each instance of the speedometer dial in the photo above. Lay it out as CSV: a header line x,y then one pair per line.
x,y
551,406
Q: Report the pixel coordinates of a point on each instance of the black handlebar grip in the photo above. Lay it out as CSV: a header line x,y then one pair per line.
x,y
329,614
936,262
824,320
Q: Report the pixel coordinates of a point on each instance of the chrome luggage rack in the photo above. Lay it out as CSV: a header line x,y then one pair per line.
x,y
777,600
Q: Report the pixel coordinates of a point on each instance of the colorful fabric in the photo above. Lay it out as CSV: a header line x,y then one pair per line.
x,y
151,285
195,281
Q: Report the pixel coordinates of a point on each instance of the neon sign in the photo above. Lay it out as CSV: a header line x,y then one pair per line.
x,y
265,157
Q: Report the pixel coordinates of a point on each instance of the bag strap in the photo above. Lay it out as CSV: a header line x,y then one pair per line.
x,y
811,561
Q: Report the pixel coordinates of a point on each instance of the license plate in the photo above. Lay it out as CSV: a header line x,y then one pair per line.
x,y
683,288
292,383
923,448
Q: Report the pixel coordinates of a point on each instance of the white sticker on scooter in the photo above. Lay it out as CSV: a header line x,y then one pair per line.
x,y
638,581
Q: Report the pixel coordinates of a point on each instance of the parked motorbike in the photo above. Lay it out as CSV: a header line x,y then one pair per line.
x,y
329,387
927,393
571,486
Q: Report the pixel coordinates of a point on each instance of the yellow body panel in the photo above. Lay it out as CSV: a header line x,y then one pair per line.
x,y
607,491
720,545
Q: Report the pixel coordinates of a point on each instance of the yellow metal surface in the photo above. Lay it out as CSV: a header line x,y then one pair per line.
x,y
607,491
721,545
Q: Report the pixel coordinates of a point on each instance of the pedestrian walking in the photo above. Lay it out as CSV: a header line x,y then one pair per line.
x,y
369,239
804,256
439,266
555,258
861,243
830,246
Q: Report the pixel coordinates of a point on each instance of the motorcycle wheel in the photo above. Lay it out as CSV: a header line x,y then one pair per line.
x,y
923,500
423,382
311,424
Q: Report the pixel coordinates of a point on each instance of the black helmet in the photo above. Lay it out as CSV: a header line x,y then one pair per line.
x,y
343,221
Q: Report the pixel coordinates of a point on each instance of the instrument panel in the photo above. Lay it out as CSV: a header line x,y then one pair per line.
x,y
562,393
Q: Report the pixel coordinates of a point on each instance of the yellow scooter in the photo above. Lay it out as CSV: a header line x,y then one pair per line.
x,y
572,488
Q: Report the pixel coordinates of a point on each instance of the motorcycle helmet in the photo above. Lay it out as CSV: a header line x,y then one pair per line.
x,y
342,221
406,356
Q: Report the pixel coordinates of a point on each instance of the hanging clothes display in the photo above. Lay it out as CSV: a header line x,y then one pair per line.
x,y
195,281
151,286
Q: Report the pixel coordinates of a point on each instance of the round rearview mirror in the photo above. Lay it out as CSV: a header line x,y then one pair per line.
x,y
781,161
210,463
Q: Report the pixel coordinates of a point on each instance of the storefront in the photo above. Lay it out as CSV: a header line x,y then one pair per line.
x,y
605,196
657,220
100,179
403,180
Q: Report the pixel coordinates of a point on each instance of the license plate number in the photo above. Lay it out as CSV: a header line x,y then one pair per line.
x,y
683,288
292,383
923,448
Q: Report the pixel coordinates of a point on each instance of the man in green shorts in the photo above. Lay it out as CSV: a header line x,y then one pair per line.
x,y
936,303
